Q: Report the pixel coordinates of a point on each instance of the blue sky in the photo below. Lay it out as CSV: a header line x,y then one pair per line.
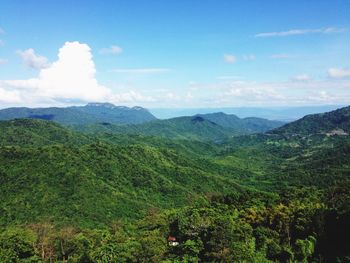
x,y
185,53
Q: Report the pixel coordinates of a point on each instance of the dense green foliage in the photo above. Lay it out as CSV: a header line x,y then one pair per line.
x,y
191,128
117,196
246,227
27,132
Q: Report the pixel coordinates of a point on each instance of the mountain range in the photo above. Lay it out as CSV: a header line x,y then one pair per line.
x,y
106,117
334,122
79,115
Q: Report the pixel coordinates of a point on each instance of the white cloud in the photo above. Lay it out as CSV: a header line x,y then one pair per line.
x,y
32,60
172,96
251,91
229,58
301,77
140,70
70,78
249,57
339,73
321,96
294,32
7,96
130,97
3,61
115,50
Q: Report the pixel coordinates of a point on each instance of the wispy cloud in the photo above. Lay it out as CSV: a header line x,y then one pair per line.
x,y
229,58
2,31
115,50
141,70
32,60
302,77
339,73
294,32
249,57
3,61
228,77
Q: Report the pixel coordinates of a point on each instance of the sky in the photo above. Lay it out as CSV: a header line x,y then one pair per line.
x,y
175,54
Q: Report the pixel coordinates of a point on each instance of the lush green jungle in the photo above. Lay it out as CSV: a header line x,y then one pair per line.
x,y
84,184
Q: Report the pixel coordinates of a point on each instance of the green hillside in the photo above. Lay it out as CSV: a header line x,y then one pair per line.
x,y
93,184
190,128
117,196
333,122
29,132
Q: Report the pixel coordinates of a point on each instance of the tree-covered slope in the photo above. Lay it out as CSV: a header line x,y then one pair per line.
x,y
29,132
273,162
50,172
334,122
190,128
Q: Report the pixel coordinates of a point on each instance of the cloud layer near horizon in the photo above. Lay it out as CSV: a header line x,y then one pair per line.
x,y
71,79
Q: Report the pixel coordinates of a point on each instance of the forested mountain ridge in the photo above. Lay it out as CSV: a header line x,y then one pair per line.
x,y
203,127
190,128
332,123
79,115
242,126
105,117
107,112
30,132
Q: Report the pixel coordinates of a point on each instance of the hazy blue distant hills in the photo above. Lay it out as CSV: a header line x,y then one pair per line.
x,y
271,113
245,125
207,127
334,122
106,112
79,115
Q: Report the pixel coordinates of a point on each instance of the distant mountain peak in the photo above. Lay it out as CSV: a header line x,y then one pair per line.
x,y
101,104
197,119
80,115
112,106
137,108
